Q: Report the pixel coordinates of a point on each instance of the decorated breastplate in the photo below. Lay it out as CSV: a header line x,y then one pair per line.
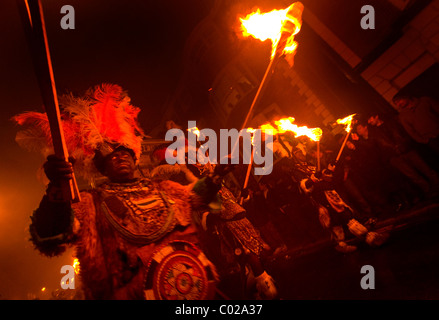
x,y
139,212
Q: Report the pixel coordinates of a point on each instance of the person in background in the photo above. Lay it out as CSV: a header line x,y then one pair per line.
x,y
369,172
398,152
420,118
335,214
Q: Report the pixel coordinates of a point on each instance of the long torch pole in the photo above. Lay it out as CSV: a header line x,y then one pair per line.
x,y
34,25
342,147
244,124
258,93
318,155
255,100
247,176
268,72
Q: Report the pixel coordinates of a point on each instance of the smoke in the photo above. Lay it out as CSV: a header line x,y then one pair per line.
x,y
23,271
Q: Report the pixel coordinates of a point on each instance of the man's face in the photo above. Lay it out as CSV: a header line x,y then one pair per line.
x,y
362,130
402,103
120,166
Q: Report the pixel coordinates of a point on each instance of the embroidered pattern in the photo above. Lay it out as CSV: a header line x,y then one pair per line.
x,y
149,216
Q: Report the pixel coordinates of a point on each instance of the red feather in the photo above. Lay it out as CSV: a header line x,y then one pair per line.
x,y
104,114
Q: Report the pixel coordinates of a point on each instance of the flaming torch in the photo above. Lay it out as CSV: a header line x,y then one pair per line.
x,y
284,125
315,134
279,26
76,265
195,131
347,122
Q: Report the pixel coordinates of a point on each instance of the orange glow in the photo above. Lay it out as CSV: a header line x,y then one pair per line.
x,y
347,121
272,25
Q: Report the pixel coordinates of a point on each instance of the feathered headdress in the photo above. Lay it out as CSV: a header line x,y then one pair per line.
x,y
100,121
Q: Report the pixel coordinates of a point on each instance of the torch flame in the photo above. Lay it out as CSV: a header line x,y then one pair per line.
x,y
273,24
195,131
347,121
252,131
76,265
286,124
269,129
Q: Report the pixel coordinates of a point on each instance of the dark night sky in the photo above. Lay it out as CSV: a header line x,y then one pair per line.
x,y
136,44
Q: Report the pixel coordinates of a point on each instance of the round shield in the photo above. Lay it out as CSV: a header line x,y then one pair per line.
x,y
179,271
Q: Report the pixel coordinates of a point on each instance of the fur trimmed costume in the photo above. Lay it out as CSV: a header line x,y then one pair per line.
x,y
117,228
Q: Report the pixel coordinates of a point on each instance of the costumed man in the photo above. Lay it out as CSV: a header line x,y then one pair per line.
x,y
238,237
398,152
335,214
420,118
135,238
